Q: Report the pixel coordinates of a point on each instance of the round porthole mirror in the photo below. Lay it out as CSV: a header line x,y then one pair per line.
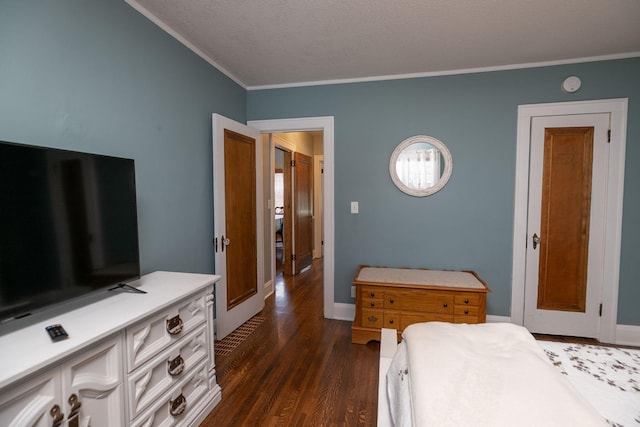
x,y
420,165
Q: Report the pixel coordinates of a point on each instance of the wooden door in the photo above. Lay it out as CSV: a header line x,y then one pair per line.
x,y
566,224
303,212
240,213
287,256
237,228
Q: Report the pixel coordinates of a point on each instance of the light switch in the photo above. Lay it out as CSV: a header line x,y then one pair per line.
x,y
354,207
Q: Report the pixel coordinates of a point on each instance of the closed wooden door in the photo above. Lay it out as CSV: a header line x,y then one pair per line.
x,y
237,160
566,224
303,211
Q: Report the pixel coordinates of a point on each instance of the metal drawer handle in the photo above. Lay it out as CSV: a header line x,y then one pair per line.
x,y
372,319
373,294
177,406
57,416
175,366
466,301
391,322
373,304
391,300
73,418
175,325
466,312
445,305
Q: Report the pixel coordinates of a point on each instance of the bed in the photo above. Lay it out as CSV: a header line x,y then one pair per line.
x,y
491,374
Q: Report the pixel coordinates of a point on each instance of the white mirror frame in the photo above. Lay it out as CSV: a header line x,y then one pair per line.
x,y
444,178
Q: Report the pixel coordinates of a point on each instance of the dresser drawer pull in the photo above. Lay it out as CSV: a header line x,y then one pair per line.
x,y
391,322
392,301
372,294
372,319
445,305
175,325
373,304
466,312
177,406
175,366
466,301
57,416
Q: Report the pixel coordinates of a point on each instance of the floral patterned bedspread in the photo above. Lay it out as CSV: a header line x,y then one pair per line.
x,y
608,377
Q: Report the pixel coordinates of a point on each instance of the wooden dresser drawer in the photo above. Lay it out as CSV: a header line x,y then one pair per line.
x,y
372,292
372,318
392,300
467,299
391,319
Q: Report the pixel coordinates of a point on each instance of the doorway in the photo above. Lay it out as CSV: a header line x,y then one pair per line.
x,y
612,209
294,192
325,124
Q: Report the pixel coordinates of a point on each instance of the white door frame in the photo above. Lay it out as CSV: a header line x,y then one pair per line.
x,y
615,189
324,124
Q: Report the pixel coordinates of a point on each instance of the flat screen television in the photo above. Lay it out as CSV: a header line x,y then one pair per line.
x,y
68,226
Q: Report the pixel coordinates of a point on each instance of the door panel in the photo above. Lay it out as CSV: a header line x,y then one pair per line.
x,y
238,233
566,208
303,211
567,194
240,213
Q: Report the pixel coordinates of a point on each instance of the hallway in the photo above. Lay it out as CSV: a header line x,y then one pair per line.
x,y
297,368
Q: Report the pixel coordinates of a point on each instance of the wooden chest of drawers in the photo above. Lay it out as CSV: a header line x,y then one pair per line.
x,y
397,297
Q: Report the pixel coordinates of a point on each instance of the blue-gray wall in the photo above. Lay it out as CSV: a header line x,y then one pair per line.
x,y
469,224
96,76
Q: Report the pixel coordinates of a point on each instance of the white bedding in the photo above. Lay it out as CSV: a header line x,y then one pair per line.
x,y
491,374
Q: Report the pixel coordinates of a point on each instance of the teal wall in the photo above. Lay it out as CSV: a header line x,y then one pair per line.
x,y
469,224
96,76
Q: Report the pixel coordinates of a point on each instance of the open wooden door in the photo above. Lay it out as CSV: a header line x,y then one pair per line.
x,y
237,159
303,212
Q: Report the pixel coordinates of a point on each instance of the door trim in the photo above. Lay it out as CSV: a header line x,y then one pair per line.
x,y
613,209
326,125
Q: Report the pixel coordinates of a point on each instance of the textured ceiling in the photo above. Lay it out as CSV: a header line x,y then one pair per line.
x,y
288,42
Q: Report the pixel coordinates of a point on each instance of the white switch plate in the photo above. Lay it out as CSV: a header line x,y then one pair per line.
x,y
353,291
354,207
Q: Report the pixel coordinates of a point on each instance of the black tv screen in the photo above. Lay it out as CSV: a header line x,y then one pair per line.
x,y
68,226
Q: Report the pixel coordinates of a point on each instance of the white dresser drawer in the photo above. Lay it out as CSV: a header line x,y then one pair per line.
x,y
150,337
180,405
158,375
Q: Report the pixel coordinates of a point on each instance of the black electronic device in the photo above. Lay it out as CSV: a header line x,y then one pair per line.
x,y
68,226
57,332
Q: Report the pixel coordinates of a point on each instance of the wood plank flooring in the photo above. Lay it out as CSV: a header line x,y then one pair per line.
x,y
297,368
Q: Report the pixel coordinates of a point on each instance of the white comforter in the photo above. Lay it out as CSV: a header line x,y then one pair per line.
x,y
492,374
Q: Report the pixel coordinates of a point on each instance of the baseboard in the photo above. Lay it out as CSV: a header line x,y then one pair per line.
x,y
268,289
628,335
498,319
342,311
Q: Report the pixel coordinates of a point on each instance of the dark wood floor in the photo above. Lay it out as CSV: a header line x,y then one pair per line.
x,y
297,368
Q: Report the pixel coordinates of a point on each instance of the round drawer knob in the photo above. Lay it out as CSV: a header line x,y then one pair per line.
x,y
372,294
466,312
445,305
391,300
466,301
373,304
391,321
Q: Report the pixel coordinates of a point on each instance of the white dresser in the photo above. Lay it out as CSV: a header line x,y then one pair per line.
x,y
130,359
